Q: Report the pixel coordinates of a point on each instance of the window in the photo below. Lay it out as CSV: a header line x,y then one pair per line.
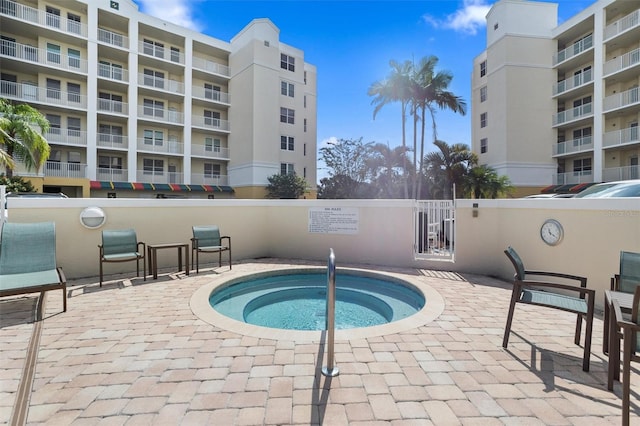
x,y
110,134
7,46
74,157
53,88
582,136
304,172
175,54
484,145
304,101
483,94
153,48
53,17
9,86
286,143
287,116
286,169
53,53
109,102
286,89
211,118
73,92
109,70
152,167
153,78
287,62
211,145
73,126
211,91
153,137
483,119
73,23
54,124
109,162
483,68
74,58
153,108
304,149
305,77
582,167
305,125
211,170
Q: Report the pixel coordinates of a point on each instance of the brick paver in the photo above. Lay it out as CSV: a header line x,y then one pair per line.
x,y
133,352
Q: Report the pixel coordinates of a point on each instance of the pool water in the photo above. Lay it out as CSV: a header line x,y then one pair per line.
x,y
297,301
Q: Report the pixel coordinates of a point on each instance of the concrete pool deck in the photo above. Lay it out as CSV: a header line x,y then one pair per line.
x,y
134,352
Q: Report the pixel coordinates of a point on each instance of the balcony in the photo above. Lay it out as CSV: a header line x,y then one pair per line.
x,y
621,173
209,179
111,174
210,95
113,39
209,151
210,66
573,178
107,140
622,62
60,136
574,50
621,137
65,170
159,177
159,52
573,146
622,99
622,25
160,114
13,50
113,107
210,123
166,147
172,86
42,18
32,93
110,72
572,114
573,82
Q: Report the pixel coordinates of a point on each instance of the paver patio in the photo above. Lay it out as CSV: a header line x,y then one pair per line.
x,y
133,352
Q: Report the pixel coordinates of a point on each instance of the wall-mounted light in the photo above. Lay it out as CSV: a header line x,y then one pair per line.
x,y
93,217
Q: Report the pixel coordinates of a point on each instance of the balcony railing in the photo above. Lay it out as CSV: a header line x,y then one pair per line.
x,y
573,146
170,147
114,39
160,114
65,136
622,62
113,73
40,17
573,177
209,151
621,173
210,123
111,175
159,177
621,137
107,140
573,82
211,95
161,52
66,170
28,53
209,179
210,66
573,50
621,25
172,86
622,99
573,114
114,107
32,93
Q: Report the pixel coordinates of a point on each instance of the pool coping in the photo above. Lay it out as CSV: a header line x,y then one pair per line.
x,y
199,304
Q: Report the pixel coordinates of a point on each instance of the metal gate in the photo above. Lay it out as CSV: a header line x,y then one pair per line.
x,y
434,224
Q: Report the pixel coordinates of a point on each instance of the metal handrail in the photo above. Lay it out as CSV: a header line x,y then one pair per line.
x,y
330,324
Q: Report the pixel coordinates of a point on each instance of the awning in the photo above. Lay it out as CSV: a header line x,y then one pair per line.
x,y
166,187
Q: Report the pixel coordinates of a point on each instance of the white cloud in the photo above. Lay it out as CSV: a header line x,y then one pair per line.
x,y
469,19
179,12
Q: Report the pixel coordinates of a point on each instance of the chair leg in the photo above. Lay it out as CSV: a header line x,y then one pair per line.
x,y
613,368
576,338
100,273
229,257
219,258
626,376
512,307
144,268
64,298
587,344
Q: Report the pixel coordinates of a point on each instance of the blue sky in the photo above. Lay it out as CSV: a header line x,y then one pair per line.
x,y
351,43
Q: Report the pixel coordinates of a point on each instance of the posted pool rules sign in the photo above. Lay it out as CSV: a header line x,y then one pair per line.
x,y
333,220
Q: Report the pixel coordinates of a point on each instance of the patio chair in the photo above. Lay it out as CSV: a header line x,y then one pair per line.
x,y
629,277
28,260
122,245
630,350
207,239
571,298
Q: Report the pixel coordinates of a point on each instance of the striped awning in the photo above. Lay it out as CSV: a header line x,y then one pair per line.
x,y
167,187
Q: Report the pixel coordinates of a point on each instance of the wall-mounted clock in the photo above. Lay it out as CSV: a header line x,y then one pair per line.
x,y
551,232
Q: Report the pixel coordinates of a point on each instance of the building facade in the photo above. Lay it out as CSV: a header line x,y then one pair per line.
x,y
140,107
557,105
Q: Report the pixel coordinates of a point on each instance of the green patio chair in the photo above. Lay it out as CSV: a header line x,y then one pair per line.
x,y
122,245
629,277
630,349
207,239
566,297
28,260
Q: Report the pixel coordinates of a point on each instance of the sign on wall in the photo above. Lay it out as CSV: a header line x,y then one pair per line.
x,y
333,220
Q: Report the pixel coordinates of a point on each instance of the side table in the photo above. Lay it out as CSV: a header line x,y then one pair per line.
x,y
152,251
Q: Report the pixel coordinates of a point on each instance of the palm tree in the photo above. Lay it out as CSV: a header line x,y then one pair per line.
x,y
21,136
395,88
387,165
430,92
450,165
484,182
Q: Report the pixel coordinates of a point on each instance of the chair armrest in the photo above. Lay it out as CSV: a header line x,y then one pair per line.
x,y
583,280
581,290
615,282
63,278
226,238
144,246
623,323
194,242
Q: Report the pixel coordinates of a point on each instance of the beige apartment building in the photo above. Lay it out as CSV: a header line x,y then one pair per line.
x,y
555,105
140,107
